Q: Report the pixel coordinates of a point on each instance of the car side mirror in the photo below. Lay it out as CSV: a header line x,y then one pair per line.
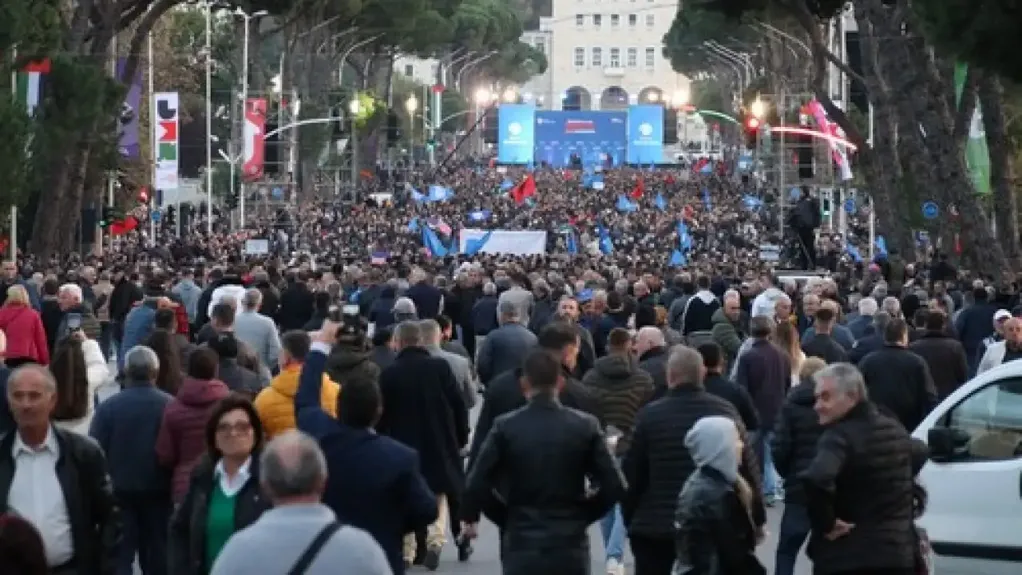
x,y
947,444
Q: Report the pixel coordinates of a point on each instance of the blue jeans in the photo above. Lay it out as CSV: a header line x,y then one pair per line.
x,y
761,445
793,533
612,526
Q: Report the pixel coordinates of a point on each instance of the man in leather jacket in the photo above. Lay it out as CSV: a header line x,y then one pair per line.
x,y
539,457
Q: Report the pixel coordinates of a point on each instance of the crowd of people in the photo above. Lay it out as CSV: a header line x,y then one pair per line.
x,y
306,409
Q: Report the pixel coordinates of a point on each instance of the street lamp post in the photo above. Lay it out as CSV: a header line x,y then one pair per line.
x,y
354,109
209,122
244,97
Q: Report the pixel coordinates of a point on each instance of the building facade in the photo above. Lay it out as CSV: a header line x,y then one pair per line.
x,y
605,55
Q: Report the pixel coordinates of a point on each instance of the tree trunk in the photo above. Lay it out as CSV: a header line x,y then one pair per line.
x,y
991,95
980,251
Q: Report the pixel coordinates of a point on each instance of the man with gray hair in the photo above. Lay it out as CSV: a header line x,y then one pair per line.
x,y
865,461
126,427
859,325
256,330
300,534
404,310
657,465
462,368
505,347
892,306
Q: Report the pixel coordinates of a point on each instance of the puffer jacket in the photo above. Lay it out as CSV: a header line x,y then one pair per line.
x,y
714,534
727,334
276,404
622,388
26,336
182,438
345,364
795,436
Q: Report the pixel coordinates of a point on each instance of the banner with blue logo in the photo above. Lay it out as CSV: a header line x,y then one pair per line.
x,y
516,129
597,138
645,134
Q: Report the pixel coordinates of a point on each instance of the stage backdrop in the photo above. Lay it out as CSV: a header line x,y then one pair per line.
x,y
645,135
516,125
599,138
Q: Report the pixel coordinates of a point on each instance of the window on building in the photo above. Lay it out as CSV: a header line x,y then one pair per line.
x,y
650,20
409,70
632,57
597,57
580,20
650,58
633,20
597,20
580,57
615,57
615,20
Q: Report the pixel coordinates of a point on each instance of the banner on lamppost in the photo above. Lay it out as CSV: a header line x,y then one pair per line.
x,y
166,154
128,122
977,156
255,139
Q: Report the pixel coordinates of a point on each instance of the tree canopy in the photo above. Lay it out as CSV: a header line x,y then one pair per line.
x,y
985,33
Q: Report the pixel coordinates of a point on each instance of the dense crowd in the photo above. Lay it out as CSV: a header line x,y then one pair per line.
x,y
306,409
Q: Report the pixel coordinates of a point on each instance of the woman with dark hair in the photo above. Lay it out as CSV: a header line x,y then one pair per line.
x,y
223,495
180,443
79,368
165,345
21,547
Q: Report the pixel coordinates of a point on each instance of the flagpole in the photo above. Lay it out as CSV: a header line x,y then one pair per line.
x,y
111,177
14,207
152,135
209,124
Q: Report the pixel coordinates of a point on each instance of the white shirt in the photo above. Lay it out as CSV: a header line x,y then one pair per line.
x,y
37,496
231,486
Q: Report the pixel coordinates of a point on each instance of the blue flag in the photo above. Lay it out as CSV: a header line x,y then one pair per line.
x,y
626,205
432,243
416,196
413,225
678,259
752,203
572,244
660,202
853,252
606,243
706,199
440,193
684,238
473,247
881,246
479,215
506,185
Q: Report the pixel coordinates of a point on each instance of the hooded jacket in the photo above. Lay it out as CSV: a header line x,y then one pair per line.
x,y
621,389
181,441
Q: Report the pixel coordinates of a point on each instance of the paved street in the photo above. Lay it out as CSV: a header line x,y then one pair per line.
x,y
486,560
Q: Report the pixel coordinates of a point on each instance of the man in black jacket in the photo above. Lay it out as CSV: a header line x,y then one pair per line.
x,y
822,344
538,459
943,354
898,380
717,384
793,447
658,464
859,485
504,394
71,504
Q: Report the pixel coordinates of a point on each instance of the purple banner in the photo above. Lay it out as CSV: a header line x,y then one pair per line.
x,y
128,124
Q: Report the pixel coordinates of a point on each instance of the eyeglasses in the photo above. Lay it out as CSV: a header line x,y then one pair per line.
x,y
237,428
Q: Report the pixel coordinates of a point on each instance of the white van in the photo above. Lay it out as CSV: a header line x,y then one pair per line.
x,y
974,476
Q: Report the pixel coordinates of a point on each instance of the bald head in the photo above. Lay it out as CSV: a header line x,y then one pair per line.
x,y
293,469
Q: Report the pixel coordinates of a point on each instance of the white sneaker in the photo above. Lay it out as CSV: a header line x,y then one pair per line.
x,y
615,567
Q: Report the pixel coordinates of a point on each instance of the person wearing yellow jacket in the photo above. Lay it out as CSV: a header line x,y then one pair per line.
x,y
276,403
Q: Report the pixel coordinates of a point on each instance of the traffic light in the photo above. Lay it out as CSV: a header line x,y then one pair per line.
x,y
231,201
393,128
338,128
751,126
491,119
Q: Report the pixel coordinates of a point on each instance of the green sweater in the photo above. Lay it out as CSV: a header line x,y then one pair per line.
x,y
219,523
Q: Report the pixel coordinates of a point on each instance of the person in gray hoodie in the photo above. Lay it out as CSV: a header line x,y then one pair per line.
x,y
189,293
715,500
